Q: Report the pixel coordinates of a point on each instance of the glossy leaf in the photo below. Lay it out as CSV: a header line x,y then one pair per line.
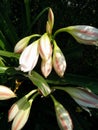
x,y
40,82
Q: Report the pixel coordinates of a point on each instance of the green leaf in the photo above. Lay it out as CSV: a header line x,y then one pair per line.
x,y
7,27
3,69
40,82
9,54
76,80
36,18
2,62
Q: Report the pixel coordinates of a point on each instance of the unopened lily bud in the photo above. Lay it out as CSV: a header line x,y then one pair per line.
x,y
18,105
22,117
51,18
46,67
84,97
29,57
59,62
15,108
6,93
62,115
84,34
48,28
45,48
19,47
23,114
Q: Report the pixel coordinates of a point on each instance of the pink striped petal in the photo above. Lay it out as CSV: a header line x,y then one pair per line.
x,y
46,67
63,117
59,62
84,34
6,93
45,48
22,117
83,97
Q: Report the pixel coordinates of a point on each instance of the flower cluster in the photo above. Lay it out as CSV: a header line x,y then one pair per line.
x,y
45,46
52,57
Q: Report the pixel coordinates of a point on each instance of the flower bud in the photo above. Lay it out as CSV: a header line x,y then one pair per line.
x,y
83,97
59,62
18,105
15,108
22,117
29,57
48,28
45,48
6,93
84,34
19,47
51,18
46,67
63,117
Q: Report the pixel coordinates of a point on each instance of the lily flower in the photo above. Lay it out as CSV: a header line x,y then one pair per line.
x,y
84,97
63,117
6,93
45,48
46,67
29,57
84,34
59,62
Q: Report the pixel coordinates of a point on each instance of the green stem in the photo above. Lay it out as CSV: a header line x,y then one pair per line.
x,y
37,17
53,98
59,31
30,93
57,87
35,35
33,97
